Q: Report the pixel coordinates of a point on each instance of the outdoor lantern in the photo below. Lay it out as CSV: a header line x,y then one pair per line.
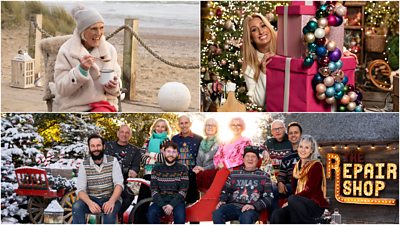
x,y
22,71
54,213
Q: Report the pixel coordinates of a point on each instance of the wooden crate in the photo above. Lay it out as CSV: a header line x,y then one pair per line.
x,y
395,94
23,73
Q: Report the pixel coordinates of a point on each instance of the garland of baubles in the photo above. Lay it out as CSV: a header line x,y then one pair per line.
x,y
330,83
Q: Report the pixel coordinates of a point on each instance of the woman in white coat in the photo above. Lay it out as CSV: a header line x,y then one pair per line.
x,y
78,67
259,45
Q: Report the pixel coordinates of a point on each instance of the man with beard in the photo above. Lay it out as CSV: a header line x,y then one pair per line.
x,y
169,184
99,184
128,157
188,146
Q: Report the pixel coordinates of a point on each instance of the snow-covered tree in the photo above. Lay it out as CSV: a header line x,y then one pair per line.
x,y
20,146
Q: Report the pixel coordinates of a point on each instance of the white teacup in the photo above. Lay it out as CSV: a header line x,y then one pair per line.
x,y
106,75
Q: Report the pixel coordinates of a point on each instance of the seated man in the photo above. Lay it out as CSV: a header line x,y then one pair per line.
x,y
169,184
246,193
99,185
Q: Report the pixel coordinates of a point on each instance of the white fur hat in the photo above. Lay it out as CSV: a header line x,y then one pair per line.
x,y
85,17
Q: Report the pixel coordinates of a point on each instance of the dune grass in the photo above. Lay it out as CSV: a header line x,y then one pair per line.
x,y
56,20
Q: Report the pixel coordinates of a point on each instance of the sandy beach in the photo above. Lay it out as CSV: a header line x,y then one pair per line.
x,y
178,46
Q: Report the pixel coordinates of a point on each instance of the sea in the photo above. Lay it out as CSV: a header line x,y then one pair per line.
x,y
154,16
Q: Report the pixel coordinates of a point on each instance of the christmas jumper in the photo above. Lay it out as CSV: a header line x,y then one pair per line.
x,y
188,148
231,155
277,151
248,187
286,168
128,156
169,184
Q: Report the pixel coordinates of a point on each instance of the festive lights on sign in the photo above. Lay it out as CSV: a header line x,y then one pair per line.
x,y
360,182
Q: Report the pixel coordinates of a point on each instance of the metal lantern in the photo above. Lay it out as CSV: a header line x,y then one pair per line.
x,y
22,71
54,213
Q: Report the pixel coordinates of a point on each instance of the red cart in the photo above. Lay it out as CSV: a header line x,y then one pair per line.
x,y
33,182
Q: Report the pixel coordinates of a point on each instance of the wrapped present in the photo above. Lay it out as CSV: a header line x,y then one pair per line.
x,y
291,20
289,85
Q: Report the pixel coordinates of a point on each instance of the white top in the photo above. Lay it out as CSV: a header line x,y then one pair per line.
x,y
256,90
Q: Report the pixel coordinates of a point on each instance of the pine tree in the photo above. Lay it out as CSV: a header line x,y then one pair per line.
x,y
20,146
220,53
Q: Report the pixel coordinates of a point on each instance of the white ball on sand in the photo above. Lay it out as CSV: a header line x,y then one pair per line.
x,y
174,97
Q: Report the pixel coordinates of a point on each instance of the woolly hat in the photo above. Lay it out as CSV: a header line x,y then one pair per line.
x,y
85,17
253,149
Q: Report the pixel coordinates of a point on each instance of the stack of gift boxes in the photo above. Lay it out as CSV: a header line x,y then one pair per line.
x,y
289,82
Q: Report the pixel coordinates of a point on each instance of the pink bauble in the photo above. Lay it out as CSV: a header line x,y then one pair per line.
x,y
322,22
321,96
345,100
352,95
329,81
331,20
330,100
320,88
331,46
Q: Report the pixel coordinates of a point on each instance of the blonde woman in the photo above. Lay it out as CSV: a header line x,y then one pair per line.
x,y
259,45
154,146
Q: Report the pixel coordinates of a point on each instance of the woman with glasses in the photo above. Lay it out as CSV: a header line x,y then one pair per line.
x,y
230,154
205,169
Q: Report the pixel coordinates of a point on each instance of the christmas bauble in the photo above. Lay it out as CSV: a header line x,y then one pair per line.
x,y
332,66
312,47
321,51
174,97
320,41
308,61
352,95
330,92
321,96
358,108
321,88
339,21
335,55
309,37
312,25
331,46
324,71
323,61
331,20
351,106
319,33
341,10
322,22
329,81
330,100
339,64
345,100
